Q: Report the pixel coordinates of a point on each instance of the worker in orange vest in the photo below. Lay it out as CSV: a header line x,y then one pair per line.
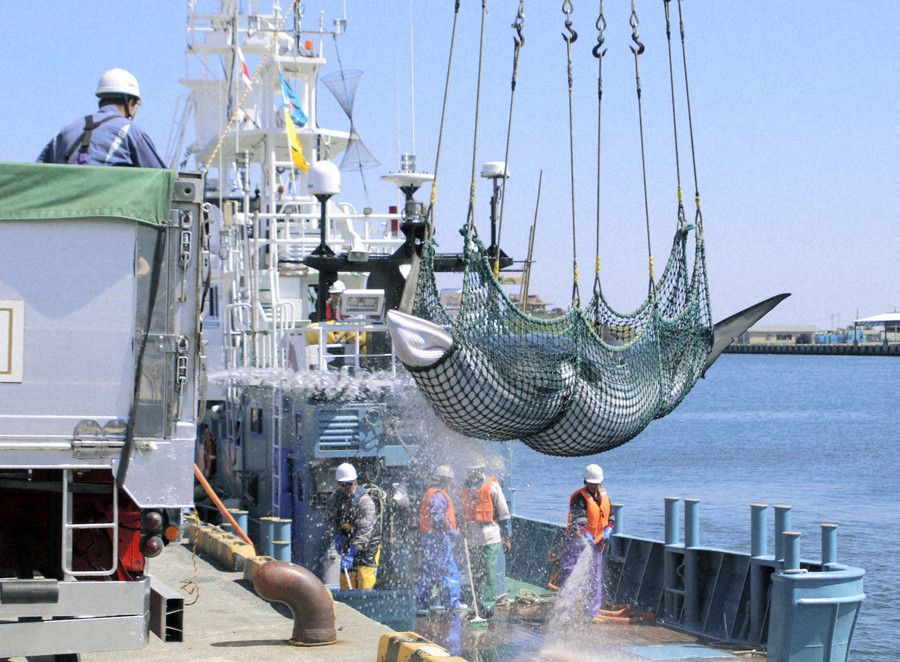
x,y
590,525
437,522
488,529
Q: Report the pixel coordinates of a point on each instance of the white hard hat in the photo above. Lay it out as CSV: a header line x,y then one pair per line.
x,y
117,82
337,287
345,473
593,474
477,464
444,471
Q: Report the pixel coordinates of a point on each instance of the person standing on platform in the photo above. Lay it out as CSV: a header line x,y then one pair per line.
x,y
108,136
485,512
437,522
334,301
590,525
351,517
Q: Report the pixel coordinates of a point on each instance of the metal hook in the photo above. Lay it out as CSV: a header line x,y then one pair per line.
x,y
567,10
601,26
634,22
518,24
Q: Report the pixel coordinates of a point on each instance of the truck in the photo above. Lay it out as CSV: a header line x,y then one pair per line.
x,y
100,294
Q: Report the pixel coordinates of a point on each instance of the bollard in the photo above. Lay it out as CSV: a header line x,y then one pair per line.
x,y
617,513
672,516
691,575
758,542
692,523
268,535
782,524
759,573
281,550
674,593
791,551
829,544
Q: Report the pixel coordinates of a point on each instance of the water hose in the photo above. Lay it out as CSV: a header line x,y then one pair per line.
x,y
221,506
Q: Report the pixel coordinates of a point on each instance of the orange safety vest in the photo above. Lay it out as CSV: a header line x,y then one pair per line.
x,y
425,515
481,508
597,513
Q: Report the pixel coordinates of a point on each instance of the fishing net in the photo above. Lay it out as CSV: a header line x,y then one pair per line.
x,y
574,385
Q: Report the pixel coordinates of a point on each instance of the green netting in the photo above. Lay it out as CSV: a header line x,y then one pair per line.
x,y
575,385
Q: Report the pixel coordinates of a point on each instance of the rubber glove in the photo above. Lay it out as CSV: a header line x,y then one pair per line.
x,y
349,557
338,543
454,534
588,538
607,532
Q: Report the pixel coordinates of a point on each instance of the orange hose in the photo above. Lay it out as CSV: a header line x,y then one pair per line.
x,y
221,506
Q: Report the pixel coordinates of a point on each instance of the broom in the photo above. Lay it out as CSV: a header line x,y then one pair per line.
x,y
476,622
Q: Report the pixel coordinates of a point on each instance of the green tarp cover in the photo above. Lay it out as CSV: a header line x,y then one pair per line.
x,y
39,191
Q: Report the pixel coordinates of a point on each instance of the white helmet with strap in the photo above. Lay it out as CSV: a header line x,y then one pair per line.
x,y
593,474
118,82
346,473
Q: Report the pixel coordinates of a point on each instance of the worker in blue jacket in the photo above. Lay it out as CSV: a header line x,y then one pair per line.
x,y
437,523
108,136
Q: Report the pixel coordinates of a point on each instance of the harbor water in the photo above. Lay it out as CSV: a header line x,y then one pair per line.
x,y
817,433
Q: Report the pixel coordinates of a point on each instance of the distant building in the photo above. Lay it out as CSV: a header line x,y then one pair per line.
x,y
779,335
885,327
535,306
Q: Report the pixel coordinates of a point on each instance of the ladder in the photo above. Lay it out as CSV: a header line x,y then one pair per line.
x,y
69,527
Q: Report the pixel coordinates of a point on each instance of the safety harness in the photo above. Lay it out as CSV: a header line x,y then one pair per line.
x,y
84,141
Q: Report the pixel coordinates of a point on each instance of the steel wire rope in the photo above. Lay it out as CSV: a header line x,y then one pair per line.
x,y
681,219
599,52
687,94
519,42
634,22
429,216
240,104
470,213
570,38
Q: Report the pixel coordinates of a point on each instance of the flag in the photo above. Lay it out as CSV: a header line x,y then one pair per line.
x,y
296,147
292,103
245,73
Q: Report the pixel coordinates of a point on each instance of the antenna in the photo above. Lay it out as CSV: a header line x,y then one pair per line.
x,y
412,81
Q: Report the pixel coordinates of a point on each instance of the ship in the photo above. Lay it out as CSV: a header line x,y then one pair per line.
x,y
293,389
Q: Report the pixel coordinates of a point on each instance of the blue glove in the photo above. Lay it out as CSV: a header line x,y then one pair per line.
x,y
454,534
349,557
588,538
607,532
507,527
338,543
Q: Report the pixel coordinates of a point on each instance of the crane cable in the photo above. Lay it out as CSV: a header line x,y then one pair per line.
x,y
570,38
598,52
519,42
634,22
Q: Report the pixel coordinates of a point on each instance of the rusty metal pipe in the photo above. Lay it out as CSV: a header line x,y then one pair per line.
x,y
310,602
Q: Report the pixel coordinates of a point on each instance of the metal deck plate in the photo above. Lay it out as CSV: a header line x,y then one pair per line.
x,y
678,652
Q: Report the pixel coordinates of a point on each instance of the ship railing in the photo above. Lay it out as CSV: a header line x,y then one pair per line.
x,y
353,346
257,340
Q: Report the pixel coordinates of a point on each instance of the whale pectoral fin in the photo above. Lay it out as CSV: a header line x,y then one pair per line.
x,y
731,328
409,290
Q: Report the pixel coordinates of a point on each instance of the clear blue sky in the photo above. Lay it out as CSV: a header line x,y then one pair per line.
x,y
796,109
